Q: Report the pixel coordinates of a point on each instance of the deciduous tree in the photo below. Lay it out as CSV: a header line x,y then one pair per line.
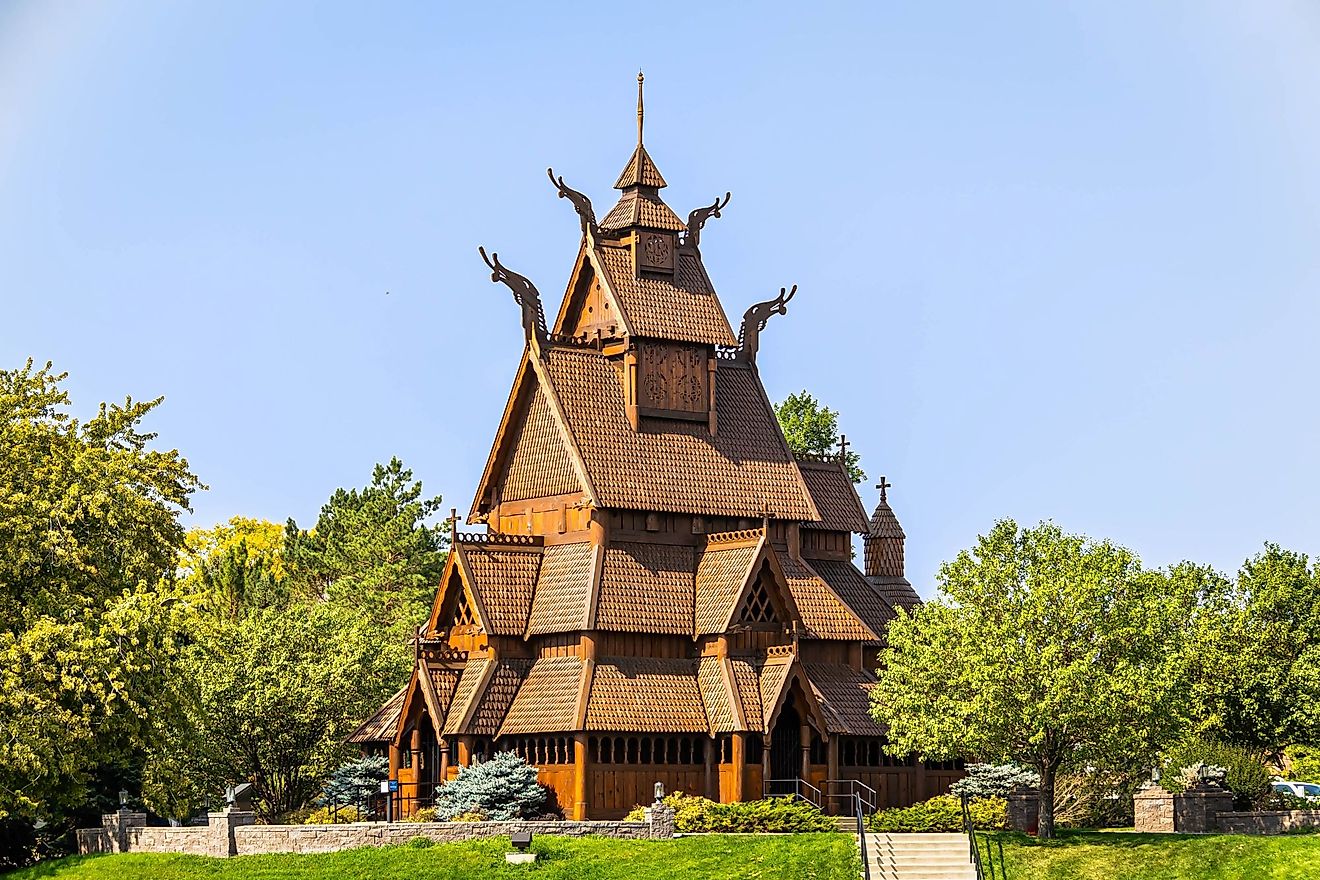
x,y
1044,648
89,626
812,428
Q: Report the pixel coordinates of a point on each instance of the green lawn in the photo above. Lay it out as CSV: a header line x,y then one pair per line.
x,y
1079,855
769,857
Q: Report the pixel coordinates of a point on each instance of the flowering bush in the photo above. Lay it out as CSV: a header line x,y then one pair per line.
x,y
333,816
994,780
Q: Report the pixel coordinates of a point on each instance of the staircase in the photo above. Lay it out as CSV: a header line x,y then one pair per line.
x,y
919,857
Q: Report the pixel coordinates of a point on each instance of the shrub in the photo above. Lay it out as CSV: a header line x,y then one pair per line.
x,y
994,780
1247,776
355,782
504,787
941,813
333,816
425,814
770,815
420,842
1097,799
470,816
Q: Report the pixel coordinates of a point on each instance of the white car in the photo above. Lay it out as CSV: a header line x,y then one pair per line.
x,y
1308,790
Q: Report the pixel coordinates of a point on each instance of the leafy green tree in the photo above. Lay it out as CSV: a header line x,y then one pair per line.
x,y
277,690
373,549
1257,681
1045,649
812,428
90,627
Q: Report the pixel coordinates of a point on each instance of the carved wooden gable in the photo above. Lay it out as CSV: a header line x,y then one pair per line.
x,y
589,308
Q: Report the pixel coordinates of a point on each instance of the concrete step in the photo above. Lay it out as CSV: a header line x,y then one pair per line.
x,y
879,872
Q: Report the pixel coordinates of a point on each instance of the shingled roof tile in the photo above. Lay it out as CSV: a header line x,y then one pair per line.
x,y
721,573
563,589
646,588
646,694
844,694
824,614
503,580
467,691
849,584
493,703
715,694
678,466
681,307
539,465
381,726
835,496
546,701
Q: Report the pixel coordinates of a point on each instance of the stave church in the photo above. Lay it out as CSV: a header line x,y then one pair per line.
x,y
662,592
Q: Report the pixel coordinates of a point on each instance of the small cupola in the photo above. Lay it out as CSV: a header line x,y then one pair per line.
x,y
884,541
640,212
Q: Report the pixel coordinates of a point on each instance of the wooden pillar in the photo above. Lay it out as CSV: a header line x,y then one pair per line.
x,y
711,791
739,766
464,751
415,746
444,761
832,762
581,777
804,737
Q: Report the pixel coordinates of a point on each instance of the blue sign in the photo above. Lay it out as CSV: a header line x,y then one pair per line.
x,y
394,785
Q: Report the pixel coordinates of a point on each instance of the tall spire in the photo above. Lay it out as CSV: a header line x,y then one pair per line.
x,y
641,112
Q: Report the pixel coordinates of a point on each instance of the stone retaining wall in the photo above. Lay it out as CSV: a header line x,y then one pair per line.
x,y
1268,821
235,832
254,839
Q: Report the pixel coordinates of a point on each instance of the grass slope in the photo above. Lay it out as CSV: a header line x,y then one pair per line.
x,y
718,857
1125,856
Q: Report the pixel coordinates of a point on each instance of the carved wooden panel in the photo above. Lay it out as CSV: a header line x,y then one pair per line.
x,y
671,376
655,251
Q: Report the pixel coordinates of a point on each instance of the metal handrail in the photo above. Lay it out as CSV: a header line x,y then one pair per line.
x,y
861,835
971,839
801,789
856,787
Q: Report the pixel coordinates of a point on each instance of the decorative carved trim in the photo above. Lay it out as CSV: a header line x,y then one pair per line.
x,y
499,538
697,220
755,319
525,295
731,537
581,204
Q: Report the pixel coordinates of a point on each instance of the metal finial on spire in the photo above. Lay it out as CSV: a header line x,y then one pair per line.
x,y
883,485
640,112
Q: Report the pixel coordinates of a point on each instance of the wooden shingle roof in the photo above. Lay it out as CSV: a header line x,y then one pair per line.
x,y
681,307
773,679
713,680
722,571
646,588
641,208
678,467
470,684
646,694
823,613
563,589
547,700
502,578
896,591
844,694
863,598
494,701
381,726
640,171
747,686
835,496
539,464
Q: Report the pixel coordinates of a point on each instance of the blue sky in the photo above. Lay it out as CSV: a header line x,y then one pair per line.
x,y
1055,260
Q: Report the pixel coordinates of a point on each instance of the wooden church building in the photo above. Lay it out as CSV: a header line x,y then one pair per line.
x,y
663,592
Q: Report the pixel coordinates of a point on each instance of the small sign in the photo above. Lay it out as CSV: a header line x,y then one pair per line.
x,y
394,785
